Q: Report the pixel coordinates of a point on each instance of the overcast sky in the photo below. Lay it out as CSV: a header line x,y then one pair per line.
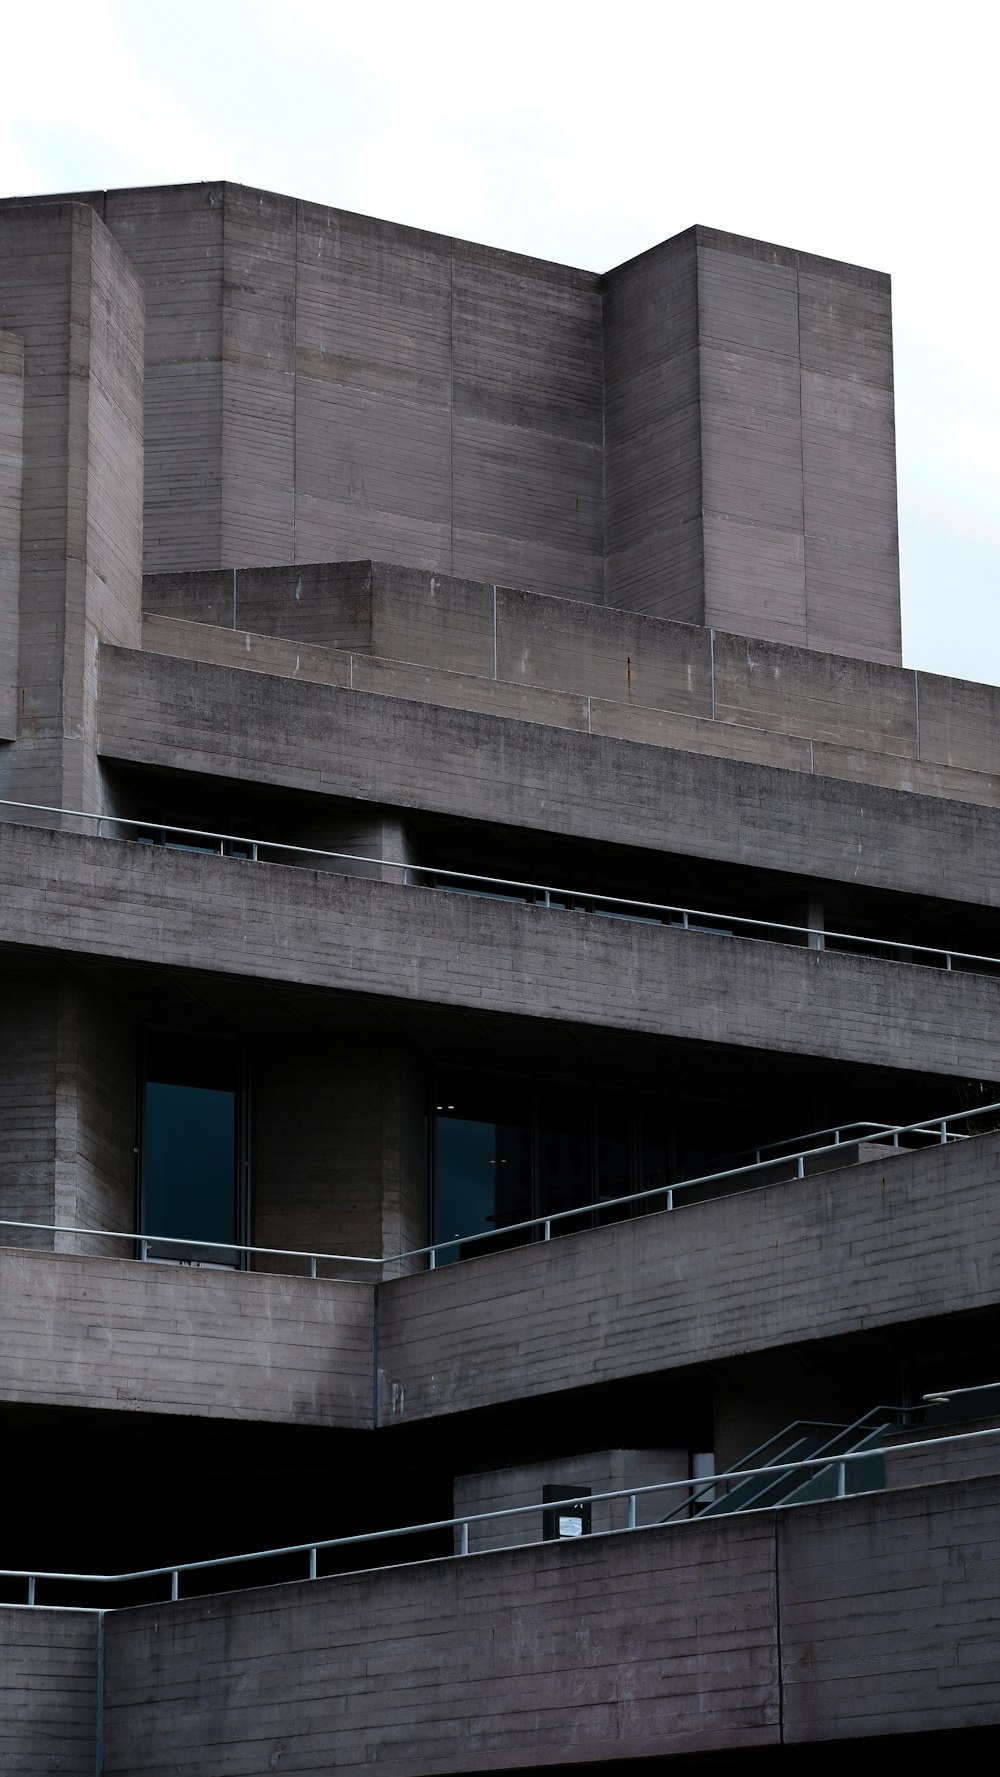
x,y
586,133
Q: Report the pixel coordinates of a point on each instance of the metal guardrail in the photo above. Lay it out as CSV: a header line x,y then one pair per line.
x,y
936,1129
461,1524
536,894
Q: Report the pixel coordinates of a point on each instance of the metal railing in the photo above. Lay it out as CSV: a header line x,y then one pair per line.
x,y
535,894
936,1130
460,1525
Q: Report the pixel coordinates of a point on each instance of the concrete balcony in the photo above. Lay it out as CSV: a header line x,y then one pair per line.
x,y
873,1246
63,893
111,1333
867,1616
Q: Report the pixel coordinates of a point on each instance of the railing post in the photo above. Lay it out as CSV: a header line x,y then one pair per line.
x,y
143,1248
312,1564
546,1229
947,959
800,1166
631,1511
464,1550
31,1588
943,1129
312,1265
432,1259
670,1196
841,1480
174,1586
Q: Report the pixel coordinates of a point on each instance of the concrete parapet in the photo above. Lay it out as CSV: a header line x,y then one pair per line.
x,y
468,645
783,1265
407,753
176,1339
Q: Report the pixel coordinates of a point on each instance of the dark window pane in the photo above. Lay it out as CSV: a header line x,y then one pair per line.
x,y
564,1141
190,1145
656,1167
614,1153
482,1176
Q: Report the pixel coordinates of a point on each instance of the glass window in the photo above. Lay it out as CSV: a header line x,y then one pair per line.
x,y
564,1152
191,1147
656,1166
482,1171
614,1153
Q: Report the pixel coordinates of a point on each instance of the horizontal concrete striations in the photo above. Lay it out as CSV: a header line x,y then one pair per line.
x,y
11,477
749,443
260,728
67,289
874,1615
889,1616
106,1333
658,1643
48,1692
99,897
757,733
479,641
876,1246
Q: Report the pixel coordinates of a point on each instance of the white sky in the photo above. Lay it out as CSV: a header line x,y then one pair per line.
x,y
586,133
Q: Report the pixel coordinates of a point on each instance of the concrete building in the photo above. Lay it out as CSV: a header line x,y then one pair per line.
x,y
499,994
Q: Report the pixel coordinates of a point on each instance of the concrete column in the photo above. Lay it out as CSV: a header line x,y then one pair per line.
x,y
338,1157
68,291
67,1104
816,922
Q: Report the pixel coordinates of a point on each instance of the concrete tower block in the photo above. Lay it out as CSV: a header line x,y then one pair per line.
x,y
750,444
67,290
11,462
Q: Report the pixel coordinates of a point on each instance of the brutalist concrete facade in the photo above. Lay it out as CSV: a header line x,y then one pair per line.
x,y
343,567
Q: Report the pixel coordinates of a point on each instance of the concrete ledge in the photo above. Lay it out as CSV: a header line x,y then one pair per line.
x,y
794,740
188,715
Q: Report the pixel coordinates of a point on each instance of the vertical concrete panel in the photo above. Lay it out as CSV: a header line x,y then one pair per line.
x,y
95,1116
258,378
68,290
28,1026
849,460
173,236
653,465
751,440
11,468
67,1110
372,391
527,495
